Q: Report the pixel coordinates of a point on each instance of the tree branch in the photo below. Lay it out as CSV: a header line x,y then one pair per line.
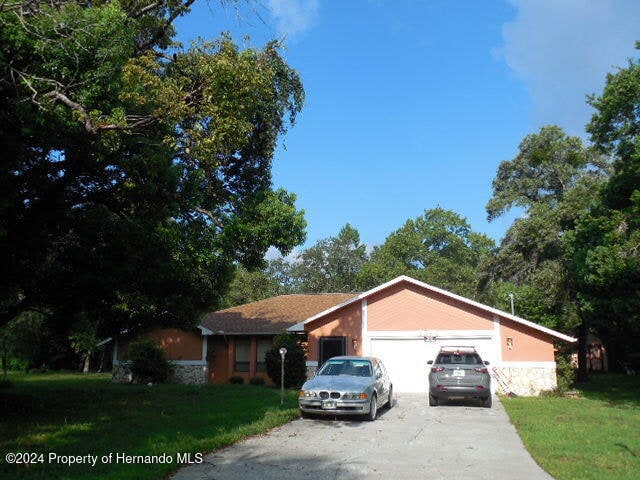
x,y
209,215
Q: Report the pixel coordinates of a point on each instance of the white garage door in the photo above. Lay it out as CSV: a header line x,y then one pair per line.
x,y
406,359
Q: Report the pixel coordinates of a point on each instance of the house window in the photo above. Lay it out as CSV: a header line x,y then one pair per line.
x,y
332,347
263,346
243,352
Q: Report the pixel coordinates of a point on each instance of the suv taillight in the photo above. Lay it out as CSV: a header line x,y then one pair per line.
x,y
481,370
436,369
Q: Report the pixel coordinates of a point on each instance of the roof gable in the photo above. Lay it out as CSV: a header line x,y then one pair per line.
x,y
494,311
270,316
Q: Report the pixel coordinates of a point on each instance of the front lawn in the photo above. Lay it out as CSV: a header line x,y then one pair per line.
x,y
594,436
72,414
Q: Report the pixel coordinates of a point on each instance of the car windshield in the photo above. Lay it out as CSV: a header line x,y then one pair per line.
x,y
354,368
458,358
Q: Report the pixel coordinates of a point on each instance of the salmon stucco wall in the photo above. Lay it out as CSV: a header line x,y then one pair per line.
x,y
177,344
345,322
409,307
523,344
218,358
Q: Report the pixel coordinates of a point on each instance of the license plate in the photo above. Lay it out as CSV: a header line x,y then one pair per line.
x,y
328,405
458,373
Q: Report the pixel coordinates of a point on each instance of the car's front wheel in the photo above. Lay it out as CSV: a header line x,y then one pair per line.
x,y
373,408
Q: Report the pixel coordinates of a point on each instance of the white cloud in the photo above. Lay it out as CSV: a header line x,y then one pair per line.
x,y
293,17
562,50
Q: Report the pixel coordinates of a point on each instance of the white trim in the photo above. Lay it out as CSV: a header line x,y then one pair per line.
x,y
104,342
115,360
205,330
525,365
364,336
205,347
310,363
497,326
299,327
439,335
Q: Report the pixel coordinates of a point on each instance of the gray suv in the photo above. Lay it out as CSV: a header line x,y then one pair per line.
x,y
459,372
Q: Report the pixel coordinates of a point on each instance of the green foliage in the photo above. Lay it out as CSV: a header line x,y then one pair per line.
x,y
604,248
257,381
438,247
331,265
295,369
236,380
553,178
548,164
32,343
73,414
257,284
148,363
125,153
588,438
566,373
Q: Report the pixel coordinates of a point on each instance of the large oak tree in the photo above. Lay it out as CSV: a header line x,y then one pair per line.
x,y
135,173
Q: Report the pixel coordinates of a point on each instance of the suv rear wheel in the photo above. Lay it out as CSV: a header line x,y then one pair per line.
x,y
486,402
433,401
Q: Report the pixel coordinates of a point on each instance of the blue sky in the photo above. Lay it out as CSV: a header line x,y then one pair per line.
x,y
413,104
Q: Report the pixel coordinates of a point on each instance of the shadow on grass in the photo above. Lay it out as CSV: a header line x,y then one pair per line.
x,y
80,417
616,389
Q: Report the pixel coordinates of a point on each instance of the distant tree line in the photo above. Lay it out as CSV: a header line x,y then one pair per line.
x,y
135,189
571,259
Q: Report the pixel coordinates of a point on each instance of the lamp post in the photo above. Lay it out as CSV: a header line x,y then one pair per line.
x,y
283,352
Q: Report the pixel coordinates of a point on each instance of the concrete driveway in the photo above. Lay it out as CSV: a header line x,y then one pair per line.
x,y
410,441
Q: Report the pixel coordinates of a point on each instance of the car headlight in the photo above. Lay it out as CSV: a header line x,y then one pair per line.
x,y
308,393
355,396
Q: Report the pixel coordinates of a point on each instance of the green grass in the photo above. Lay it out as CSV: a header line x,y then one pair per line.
x,y
72,414
596,436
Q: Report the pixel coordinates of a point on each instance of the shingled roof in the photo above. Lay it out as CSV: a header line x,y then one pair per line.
x,y
273,315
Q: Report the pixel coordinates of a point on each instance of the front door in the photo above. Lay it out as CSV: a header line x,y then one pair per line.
x,y
332,347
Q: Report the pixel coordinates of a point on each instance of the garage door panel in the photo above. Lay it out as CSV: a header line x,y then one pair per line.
x,y
406,359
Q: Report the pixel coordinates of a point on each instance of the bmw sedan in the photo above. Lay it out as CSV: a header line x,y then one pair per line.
x,y
347,385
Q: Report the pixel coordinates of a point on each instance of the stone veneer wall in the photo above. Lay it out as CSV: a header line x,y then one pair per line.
x,y
189,374
525,381
311,371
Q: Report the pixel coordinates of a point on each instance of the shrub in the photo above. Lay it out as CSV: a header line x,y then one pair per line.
x,y
148,363
565,372
295,368
257,381
236,380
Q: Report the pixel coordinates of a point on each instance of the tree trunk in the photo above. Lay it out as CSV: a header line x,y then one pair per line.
x,y
583,350
87,363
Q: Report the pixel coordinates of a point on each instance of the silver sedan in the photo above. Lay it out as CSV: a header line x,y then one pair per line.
x,y
347,385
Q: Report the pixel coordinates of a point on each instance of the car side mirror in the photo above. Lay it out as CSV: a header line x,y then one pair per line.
x,y
486,362
430,362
